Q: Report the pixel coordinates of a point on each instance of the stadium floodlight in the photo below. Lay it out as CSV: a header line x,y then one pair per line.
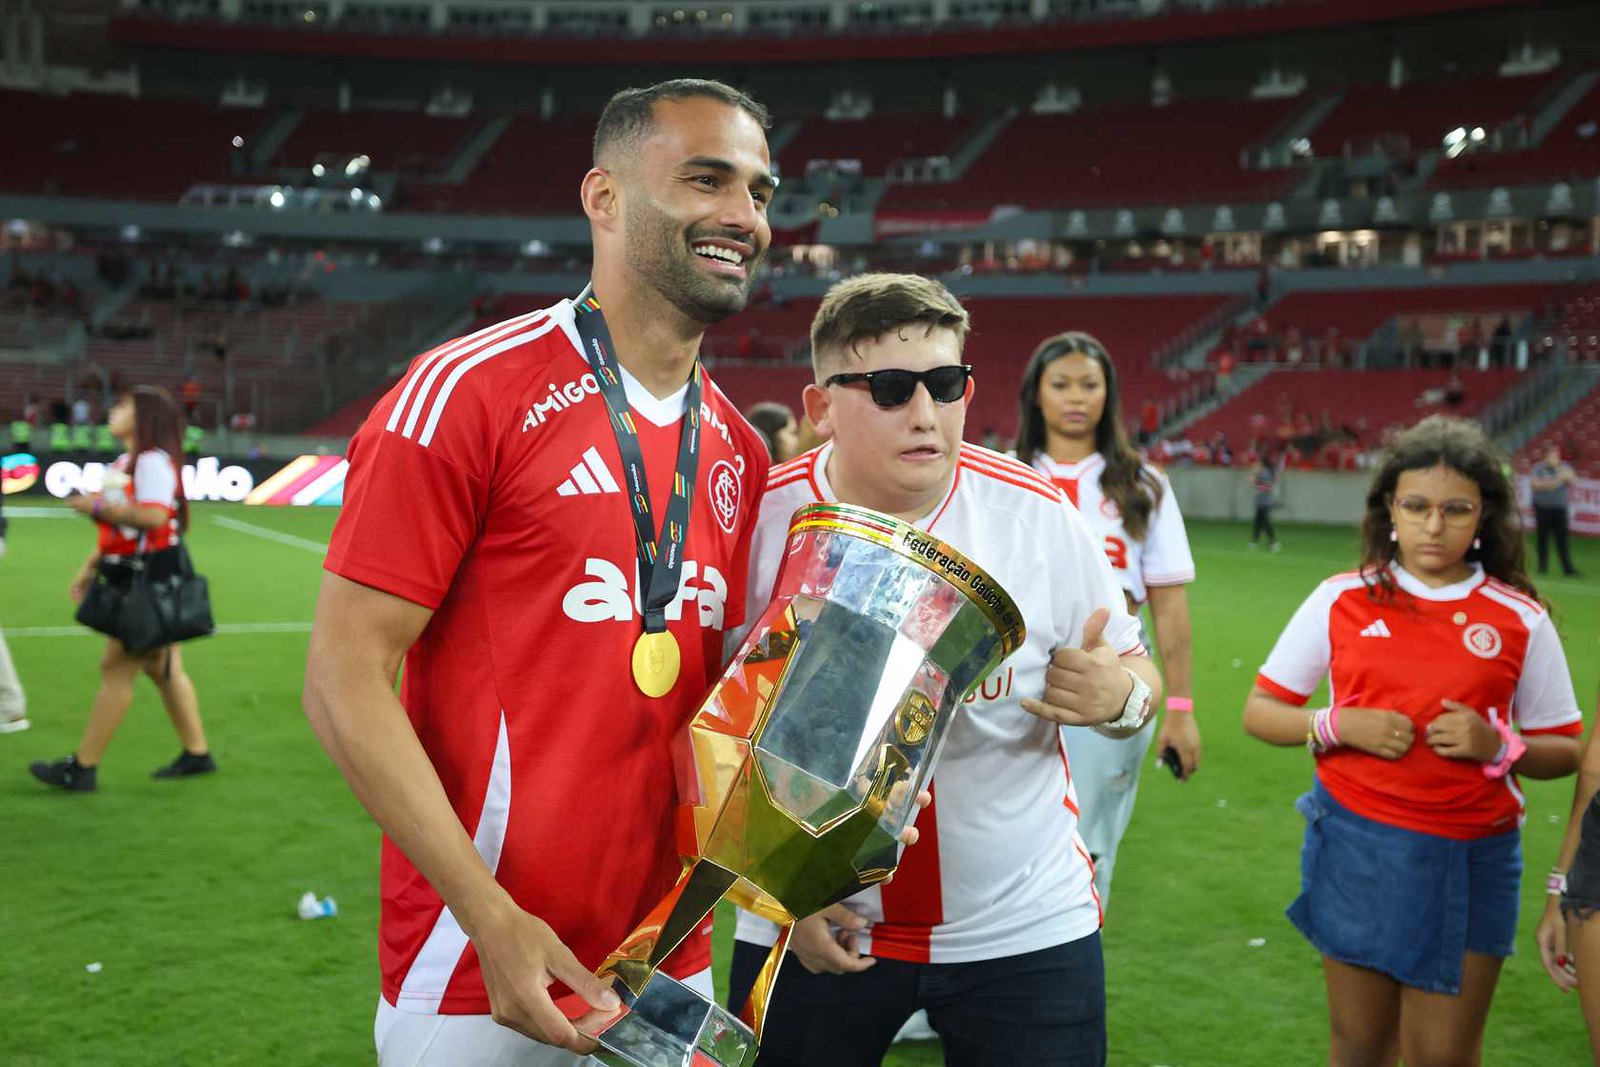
x,y
1477,134
277,198
1455,137
238,142
318,170
374,201
131,233
356,194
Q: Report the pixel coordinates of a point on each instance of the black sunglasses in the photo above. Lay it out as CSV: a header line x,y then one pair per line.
x,y
891,388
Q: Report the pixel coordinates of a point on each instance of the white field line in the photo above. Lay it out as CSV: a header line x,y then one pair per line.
x,y
226,628
319,547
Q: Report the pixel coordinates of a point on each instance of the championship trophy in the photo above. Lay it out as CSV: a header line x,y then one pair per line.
x,y
806,759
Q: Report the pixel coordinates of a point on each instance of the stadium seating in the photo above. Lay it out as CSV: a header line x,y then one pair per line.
x,y
1364,402
1578,434
115,147
533,168
347,420
876,141
1353,314
1005,331
1569,152
395,141
276,355
1189,151
1577,326
1415,117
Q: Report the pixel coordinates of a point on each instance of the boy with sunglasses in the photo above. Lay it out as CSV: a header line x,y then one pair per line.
x,y
991,923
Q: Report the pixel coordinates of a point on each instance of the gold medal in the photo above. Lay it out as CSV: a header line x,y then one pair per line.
x,y
655,663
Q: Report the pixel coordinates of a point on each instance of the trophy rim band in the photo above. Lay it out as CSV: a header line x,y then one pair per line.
x,y
899,536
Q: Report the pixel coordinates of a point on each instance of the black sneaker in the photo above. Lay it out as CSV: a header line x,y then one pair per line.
x,y
66,774
185,765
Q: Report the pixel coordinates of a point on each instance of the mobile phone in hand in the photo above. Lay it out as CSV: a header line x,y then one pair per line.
x,y
1169,760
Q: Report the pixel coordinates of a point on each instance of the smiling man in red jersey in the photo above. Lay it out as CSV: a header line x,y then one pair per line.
x,y
548,522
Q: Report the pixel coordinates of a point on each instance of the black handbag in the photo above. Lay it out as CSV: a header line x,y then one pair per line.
x,y
147,612
182,602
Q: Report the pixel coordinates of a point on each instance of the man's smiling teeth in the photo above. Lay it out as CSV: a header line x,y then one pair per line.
x,y
726,255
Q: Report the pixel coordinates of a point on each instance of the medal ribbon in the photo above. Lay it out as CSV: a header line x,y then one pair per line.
x,y
660,555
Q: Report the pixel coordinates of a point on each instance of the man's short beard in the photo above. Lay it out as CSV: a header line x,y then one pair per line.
x,y
658,251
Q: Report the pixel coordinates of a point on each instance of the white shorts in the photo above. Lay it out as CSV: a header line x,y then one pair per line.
x,y
411,1039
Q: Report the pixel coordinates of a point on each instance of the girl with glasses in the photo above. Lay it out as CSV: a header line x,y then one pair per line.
x,y
1446,680
1070,429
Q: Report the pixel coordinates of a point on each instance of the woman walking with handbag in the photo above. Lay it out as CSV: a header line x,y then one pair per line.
x,y
140,513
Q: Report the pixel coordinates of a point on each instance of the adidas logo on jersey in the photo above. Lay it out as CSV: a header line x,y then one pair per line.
x,y
589,475
1377,629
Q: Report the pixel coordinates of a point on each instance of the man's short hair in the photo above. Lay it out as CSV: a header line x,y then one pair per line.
x,y
871,305
630,114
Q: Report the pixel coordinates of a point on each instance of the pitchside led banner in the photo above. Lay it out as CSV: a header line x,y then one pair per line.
x,y
306,480
207,478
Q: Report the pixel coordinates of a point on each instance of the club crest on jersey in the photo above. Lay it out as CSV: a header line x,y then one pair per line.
x,y
1482,640
722,485
561,398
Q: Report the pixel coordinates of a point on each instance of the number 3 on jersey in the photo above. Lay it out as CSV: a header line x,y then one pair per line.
x,y
1117,552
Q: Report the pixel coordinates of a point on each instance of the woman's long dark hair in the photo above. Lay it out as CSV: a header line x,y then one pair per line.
x,y
1127,482
158,423
1460,446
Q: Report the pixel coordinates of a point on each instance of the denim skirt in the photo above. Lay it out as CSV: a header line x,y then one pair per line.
x,y
1404,903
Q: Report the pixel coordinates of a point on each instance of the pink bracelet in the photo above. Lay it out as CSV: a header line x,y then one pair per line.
x,y
1180,704
1511,749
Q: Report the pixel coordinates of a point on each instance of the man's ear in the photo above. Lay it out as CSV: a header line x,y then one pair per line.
x,y
819,409
601,196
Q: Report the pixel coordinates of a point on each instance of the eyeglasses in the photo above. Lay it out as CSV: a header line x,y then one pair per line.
x,y
891,388
1415,510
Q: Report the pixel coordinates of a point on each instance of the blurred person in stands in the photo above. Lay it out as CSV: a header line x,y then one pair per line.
x,y
1569,943
1436,650
1264,489
776,424
484,511
1069,428
13,701
1552,479
140,513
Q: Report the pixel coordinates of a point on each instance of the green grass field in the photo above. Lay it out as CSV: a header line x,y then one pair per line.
x,y
185,891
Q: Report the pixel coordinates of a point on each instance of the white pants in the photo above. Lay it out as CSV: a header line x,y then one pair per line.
x,y
411,1039
1105,772
13,705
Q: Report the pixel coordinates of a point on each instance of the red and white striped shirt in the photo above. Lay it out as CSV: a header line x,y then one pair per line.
x,y
1162,558
999,868
151,481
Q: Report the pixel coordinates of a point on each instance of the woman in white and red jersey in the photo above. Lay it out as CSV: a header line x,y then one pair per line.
x,y
1070,430
1436,650
140,512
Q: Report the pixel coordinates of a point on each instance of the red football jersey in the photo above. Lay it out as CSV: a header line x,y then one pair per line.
x,y
487,486
1478,642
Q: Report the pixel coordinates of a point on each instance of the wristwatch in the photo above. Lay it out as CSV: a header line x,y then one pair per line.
x,y
1135,712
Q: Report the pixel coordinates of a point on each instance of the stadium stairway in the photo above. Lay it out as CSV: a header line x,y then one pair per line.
x,y
1576,430
472,149
1569,388
1245,376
